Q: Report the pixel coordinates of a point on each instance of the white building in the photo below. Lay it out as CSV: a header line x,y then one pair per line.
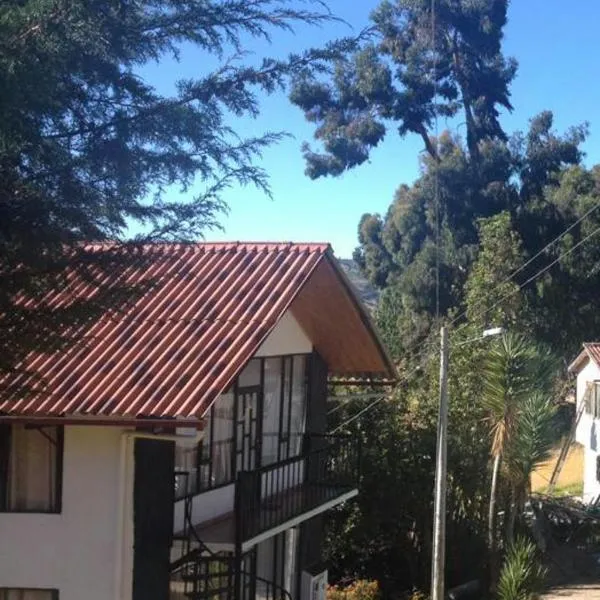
x,y
176,448
587,369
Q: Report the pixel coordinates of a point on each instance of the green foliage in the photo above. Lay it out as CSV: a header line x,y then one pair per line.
x,y
514,371
534,438
522,575
394,77
500,255
496,201
385,534
88,148
517,378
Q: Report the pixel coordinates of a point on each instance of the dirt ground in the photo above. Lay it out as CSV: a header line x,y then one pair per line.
x,y
571,476
570,482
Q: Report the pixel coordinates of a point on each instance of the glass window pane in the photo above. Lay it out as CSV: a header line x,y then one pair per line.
x,y
298,416
284,439
222,438
271,409
251,374
32,484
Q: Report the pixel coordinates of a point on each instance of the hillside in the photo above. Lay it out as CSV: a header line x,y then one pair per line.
x,y
368,294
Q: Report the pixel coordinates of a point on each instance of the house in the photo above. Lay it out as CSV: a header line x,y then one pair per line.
x,y
586,367
177,446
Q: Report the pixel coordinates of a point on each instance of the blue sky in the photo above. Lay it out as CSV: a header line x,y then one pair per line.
x,y
556,44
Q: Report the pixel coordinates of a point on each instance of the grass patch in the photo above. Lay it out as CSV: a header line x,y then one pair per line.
x,y
570,489
570,481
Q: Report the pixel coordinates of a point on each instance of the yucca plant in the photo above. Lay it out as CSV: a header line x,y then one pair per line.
x,y
522,574
513,371
532,442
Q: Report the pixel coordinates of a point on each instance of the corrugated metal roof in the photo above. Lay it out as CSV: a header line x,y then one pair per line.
x,y
199,314
591,351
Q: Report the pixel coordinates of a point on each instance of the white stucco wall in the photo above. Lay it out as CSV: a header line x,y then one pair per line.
x,y
76,551
588,433
206,507
287,338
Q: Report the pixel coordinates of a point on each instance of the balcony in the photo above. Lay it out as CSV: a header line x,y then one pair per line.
x,y
277,496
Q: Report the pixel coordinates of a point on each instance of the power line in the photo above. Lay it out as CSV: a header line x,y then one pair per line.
x,y
436,182
532,259
534,277
429,352
354,417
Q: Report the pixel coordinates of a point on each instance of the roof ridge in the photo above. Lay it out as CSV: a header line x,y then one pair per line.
x,y
211,244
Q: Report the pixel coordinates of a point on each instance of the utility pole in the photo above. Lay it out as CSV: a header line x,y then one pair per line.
x,y
439,516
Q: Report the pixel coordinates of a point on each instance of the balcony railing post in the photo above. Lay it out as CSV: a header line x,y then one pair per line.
x,y
359,460
239,537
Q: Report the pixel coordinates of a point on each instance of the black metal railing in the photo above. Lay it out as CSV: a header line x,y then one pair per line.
x,y
213,465
326,468
213,578
269,496
210,466
201,574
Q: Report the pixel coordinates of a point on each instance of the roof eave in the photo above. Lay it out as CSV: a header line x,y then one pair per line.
x,y
392,374
580,361
102,420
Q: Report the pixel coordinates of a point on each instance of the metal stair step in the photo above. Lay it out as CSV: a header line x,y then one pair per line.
x,y
209,593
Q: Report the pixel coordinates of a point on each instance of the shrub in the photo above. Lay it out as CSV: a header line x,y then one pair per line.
x,y
522,574
361,589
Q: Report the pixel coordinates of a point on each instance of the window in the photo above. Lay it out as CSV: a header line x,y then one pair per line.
x,y
596,399
284,407
258,422
30,469
276,559
27,594
591,399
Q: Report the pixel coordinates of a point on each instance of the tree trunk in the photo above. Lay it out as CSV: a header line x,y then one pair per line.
x,y
492,508
472,134
511,516
494,566
519,495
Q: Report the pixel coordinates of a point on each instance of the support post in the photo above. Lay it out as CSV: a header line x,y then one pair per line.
x,y
239,536
439,516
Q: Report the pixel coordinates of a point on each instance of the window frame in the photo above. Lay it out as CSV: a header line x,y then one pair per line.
x,y
206,453
54,592
58,473
596,399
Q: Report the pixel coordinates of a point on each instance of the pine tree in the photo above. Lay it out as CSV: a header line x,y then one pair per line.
x,y
88,148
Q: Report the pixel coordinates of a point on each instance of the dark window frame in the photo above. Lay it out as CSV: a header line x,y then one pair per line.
x,y
596,399
205,452
5,434
54,593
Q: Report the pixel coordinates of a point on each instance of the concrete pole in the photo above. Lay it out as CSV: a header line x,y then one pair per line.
x,y
439,516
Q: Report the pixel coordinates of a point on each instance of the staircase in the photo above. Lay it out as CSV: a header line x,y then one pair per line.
x,y
197,573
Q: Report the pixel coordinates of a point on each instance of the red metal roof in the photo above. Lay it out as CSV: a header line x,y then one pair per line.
x,y
203,312
591,351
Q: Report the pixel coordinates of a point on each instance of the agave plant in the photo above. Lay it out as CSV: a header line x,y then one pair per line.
x,y
522,574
